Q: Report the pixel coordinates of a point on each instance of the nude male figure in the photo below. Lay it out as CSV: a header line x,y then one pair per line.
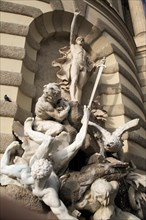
x,y
78,72
39,173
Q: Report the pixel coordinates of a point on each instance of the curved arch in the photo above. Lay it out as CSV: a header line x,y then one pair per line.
x,y
105,35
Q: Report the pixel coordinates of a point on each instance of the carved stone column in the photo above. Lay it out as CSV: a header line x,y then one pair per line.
x,y
137,16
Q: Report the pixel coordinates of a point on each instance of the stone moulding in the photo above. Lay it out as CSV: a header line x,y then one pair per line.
x,y
20,9
11,78
15,29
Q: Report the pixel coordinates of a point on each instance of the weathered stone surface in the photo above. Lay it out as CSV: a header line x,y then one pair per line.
x,y
56,4
24,196
17,29
32,42
10,78
22,114
128,93
39,22
12,52
58,21
20,9
8,109
109,89
30,64
81,6
28,89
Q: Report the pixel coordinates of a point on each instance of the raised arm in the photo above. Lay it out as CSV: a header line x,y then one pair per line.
x,y
73,24
64,156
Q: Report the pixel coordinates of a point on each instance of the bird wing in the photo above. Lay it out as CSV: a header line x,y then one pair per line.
x,y
130,125
104,132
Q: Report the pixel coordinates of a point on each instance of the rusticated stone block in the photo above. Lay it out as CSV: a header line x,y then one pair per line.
x,y
58,20
39,22
32,42
130,78
93,35
133,136
56,4
109,89
30,64
10,78
131,114
12,52
20,9
8,109
133,97
9,28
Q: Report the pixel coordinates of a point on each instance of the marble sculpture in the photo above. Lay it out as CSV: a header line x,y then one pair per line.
x,y
91,191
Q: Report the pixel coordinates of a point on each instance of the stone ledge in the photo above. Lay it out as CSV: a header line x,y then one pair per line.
x,y
8,109
20,9
10,78
16,29
12,52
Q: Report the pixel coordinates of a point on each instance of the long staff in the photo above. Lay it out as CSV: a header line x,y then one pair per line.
x,y
100,67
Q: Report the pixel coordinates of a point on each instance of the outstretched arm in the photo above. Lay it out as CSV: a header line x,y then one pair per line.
x,y
43,150
72,34
64,156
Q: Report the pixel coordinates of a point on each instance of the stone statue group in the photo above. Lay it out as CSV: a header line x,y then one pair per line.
x,y
40,159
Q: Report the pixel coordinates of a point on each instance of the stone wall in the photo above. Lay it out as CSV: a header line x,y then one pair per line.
x,y
32,32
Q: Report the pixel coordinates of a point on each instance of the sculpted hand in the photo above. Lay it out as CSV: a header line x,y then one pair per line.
x,y
65,104
86,114
77,12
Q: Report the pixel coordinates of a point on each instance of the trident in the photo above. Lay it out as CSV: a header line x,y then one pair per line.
x,y
100,67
